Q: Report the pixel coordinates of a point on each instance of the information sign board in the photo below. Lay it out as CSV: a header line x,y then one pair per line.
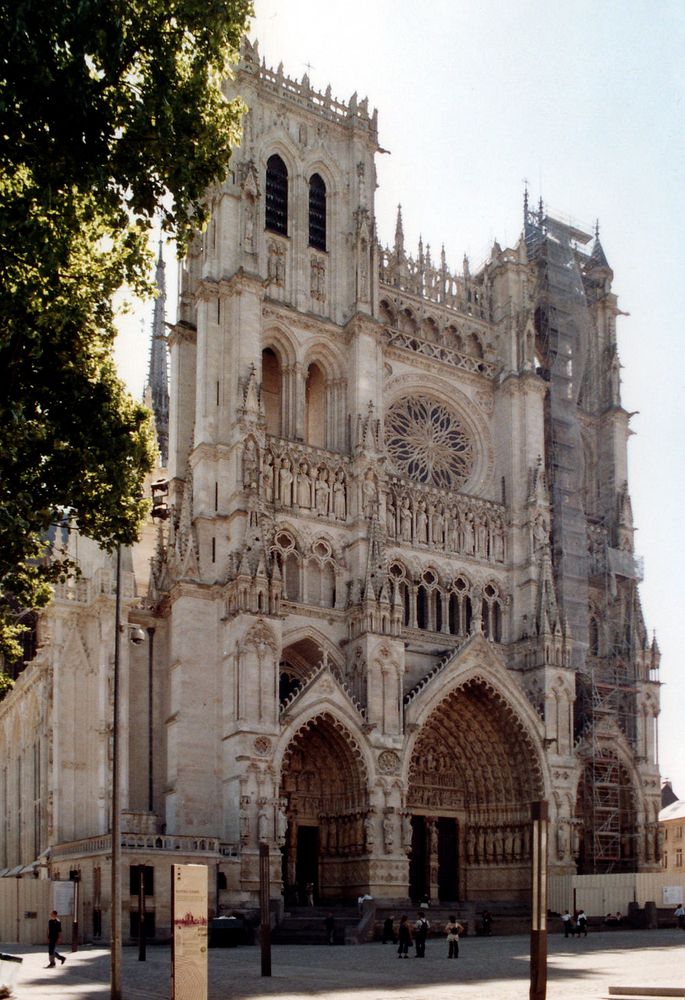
x,y
189,901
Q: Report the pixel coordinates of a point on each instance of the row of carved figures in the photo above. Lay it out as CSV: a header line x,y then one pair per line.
x,y
455,527
497,844
296,482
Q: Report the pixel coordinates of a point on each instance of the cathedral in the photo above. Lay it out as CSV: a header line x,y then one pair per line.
x,y
395,598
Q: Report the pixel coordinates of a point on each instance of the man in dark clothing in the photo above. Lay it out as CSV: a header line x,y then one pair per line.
x,y
54,936
329,924
420,934
389,930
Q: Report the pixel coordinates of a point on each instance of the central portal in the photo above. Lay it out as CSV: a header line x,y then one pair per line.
x,y
434,862
473,774
307,863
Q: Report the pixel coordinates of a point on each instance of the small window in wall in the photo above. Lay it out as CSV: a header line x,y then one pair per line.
x,y
276,195
271,391
148,879
317,212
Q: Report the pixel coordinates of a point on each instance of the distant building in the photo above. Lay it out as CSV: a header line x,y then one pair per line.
x,y
667,794
671,826
397,597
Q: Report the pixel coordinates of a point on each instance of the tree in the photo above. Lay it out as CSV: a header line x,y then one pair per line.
x,y
111,113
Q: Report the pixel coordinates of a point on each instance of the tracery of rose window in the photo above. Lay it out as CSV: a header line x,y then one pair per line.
x,y
428,443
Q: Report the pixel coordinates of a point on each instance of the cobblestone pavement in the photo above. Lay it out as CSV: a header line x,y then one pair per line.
x,y
487,968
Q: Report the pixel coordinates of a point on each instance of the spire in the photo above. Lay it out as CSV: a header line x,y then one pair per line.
x,y
157,388
399,235
598,257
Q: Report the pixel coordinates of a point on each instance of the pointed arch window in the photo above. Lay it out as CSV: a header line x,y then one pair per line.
x,y
317,212
272,391
276,195
315,407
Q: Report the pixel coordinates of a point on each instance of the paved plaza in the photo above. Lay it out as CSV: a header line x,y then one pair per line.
x,y
494,968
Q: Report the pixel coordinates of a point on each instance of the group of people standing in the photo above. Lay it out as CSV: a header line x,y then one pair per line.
x,y
576,924
415,935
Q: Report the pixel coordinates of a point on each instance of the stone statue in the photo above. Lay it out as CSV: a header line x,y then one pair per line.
x,y
469,534
304,486
388,833
282,822
268,477
322,490
421,523
438,525
390,515
405,520
263,826
244,827
339,505
369,829
250,464
406,832
285,478
562,841
370,494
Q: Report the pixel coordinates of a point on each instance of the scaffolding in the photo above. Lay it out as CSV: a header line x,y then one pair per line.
x,y
561,323
605,662
611,681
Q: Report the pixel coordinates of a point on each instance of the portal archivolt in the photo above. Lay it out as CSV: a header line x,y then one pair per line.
x,y
324,782
473,774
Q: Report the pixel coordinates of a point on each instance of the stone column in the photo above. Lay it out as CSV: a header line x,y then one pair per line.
x,y
432,856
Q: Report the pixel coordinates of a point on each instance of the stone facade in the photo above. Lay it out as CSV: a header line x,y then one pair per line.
x,y
396,599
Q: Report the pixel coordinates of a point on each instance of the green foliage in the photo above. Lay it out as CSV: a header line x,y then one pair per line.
x,y
6,684
110,113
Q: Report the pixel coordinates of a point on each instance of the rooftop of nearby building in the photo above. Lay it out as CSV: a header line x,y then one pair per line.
x,y
676,810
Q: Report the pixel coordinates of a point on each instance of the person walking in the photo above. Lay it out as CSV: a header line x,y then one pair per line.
x,y
54,938
567,921
404,937
389,930
329,924
487,923
581,923
680,916
453,929
421,928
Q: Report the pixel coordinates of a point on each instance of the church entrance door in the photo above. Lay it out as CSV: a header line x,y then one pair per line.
x,y
448,860
307,862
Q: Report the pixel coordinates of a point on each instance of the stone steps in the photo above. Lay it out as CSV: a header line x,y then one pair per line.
x,y
305,924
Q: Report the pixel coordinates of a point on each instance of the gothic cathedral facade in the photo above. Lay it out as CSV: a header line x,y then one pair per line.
x,y
396,599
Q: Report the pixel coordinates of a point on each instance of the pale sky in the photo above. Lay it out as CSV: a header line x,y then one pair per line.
x,y
585,100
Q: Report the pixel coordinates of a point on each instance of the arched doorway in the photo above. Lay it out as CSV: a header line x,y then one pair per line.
x,y
474,772
324,783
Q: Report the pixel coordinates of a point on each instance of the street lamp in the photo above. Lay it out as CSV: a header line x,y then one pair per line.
x,y
115,956
160,510
137,636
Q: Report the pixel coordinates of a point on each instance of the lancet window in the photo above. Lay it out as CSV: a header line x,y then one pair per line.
x,y
276,195
459,608
289,562
272,382
315,407
491,612
433,606
317,212
320,576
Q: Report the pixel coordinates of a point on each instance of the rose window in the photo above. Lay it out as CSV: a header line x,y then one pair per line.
x,y
427,442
